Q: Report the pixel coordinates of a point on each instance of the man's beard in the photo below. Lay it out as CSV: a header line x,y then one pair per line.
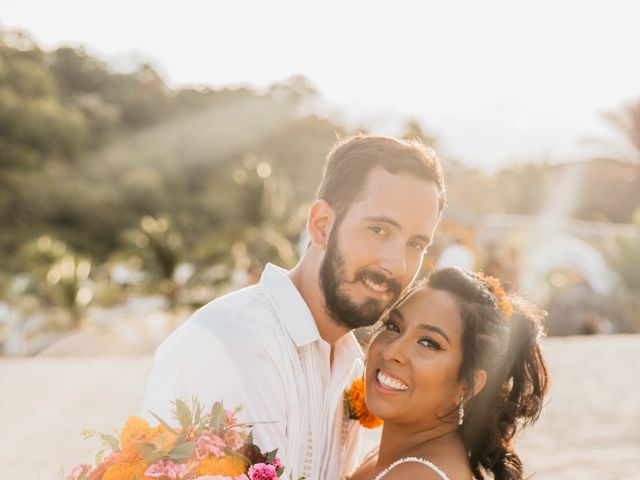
x,y
340,307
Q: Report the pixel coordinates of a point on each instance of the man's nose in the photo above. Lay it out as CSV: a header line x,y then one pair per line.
x,y
394,260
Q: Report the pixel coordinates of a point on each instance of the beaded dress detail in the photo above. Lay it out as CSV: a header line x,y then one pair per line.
x,y
426,463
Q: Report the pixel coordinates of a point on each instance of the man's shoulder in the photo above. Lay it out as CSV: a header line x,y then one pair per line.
x,y
250,305
245,313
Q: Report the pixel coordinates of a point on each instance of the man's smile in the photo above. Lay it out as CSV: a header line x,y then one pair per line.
x,y
376,287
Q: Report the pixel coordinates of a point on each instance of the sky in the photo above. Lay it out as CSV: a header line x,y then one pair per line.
x,y
497,82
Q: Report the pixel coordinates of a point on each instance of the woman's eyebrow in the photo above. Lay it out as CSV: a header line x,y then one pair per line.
x,y
438,330
424,326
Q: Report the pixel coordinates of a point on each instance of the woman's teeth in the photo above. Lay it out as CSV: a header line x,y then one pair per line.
x,y
376,287
392,384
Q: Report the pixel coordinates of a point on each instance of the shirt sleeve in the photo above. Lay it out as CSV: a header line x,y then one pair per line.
x,y
232,363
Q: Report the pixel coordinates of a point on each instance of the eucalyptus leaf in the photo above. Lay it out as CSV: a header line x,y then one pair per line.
x,y
239,455
197,406
99,456
271,455
149,453
182,451
111,441
163,423
181,438
217,414
183,414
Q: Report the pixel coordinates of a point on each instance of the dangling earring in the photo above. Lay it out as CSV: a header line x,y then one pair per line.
x,y
461,411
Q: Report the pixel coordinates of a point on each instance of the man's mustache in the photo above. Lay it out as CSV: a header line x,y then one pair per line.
x,y
380,278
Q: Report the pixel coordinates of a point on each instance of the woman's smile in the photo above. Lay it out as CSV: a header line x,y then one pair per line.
x,y
389,384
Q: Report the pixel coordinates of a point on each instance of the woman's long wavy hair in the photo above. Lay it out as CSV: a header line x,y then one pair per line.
x,y
508,349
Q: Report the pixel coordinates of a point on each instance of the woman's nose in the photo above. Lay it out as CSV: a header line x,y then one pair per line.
x,y
394,351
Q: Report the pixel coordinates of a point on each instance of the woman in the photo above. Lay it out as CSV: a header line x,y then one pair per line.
x,y
453,371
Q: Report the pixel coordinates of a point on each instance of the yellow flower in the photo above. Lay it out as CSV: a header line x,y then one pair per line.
x,y
126,471
227,465
357,406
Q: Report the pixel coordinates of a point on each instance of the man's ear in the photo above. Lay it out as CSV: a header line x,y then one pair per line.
x,y
319,222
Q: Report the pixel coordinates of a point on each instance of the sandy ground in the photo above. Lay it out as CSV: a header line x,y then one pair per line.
x,y
590,428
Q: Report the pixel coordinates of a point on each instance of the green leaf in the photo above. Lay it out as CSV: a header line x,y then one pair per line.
x,y
149,453
279,471
231,453
197,408
99,456
110,440
182,438
271,455
182,451
163,423
217,414
249,439
183,414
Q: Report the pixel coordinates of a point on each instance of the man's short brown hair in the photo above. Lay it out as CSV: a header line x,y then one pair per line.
x,y
351,160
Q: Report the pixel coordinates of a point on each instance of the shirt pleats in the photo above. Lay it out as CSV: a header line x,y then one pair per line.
x,y
261,347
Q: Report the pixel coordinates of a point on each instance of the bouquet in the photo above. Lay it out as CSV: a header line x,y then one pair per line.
x,y
206,446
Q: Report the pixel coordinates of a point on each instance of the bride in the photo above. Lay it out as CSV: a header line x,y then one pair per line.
x,y
453,372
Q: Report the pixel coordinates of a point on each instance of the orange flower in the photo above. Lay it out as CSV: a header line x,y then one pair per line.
x,y
496,288
135,430
129,455
126,471
228,465
357,407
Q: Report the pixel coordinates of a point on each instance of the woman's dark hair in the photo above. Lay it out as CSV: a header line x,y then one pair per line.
x,y
506,346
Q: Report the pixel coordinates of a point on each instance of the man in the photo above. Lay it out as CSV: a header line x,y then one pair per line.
x,y
284,347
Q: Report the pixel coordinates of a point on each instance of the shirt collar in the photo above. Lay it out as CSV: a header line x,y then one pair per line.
x,y
290,306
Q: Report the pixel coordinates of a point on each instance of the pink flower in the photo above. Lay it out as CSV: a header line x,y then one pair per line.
x,y
209,444
78,471
262,471
230,419
233,439
168,469
277,463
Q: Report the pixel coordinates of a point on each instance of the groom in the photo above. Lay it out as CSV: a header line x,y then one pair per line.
x,y
284,348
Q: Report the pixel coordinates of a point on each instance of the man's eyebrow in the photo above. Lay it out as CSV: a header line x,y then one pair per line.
x,y
391,221
424,326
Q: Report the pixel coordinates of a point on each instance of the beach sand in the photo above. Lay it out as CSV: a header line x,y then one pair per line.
x,y
590,428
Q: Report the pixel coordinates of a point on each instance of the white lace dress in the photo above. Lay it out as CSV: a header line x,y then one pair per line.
x,y
426,463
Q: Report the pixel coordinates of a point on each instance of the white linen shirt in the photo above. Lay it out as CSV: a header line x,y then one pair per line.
x,y
260,348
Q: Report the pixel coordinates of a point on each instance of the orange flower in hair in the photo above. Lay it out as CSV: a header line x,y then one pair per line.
x,y
354,399
496,288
